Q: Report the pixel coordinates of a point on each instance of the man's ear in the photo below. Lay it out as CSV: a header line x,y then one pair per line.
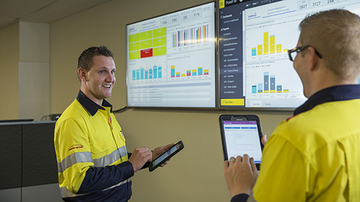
x,y
313,58
82,74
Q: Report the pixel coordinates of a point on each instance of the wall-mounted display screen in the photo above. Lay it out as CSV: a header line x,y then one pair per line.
x,y
171,60
254,37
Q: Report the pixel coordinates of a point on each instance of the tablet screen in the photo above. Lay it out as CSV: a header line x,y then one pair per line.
x,y
242,137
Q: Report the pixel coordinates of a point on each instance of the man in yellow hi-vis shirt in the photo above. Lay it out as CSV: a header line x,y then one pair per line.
x,y
314,155
93,163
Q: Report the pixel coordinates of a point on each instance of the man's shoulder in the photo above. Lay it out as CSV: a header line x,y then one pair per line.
x,y
74,111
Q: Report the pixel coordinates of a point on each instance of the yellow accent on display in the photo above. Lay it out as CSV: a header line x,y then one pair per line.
x,y
159,51
259,50
182,75
146,44
286,90
134,55
233,102
155,39
272,91
159,41
134,46
272,44
146,35
266,91
278,48
221,4
134,38
285,50
159,32
266,43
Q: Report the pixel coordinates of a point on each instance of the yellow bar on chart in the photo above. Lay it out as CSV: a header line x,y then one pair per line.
x,y
259,52
272,44
278,48
266,43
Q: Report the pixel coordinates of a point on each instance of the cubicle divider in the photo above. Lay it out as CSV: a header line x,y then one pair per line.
x,y
28,168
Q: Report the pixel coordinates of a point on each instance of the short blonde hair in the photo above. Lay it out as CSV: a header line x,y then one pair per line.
x,y
336,35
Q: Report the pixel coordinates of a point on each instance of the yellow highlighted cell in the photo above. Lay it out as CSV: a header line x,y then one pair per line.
x,y
233,102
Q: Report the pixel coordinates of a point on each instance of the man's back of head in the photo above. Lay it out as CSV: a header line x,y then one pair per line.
x,y
336,34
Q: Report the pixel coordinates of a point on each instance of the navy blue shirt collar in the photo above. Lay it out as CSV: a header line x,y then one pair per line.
x,y
90,105
334,93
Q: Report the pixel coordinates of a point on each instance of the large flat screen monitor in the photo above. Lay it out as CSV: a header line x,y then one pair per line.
x,y
171,60
254,36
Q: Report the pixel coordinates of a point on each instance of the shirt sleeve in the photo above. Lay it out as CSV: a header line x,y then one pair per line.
x,y
240,198
284,173
101,178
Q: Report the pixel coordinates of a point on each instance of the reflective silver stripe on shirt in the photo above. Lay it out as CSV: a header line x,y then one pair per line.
x,y
81,157
111,158
78,157
65,193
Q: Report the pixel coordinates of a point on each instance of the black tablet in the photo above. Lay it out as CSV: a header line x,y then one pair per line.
x,y
166,156
241,134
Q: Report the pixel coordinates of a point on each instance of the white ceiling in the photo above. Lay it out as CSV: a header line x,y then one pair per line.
x,y
43,11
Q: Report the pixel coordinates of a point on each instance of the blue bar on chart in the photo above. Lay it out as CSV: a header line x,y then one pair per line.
x,y
279,88
150,73
141,74
200,71
155,72
159,72
260,88
266,82
272,83
253,52
253,89
146,74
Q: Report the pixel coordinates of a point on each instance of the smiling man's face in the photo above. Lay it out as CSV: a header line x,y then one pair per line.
x,y
99,81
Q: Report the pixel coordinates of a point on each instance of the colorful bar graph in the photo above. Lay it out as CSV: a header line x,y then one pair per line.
x,y
190,36
266,47
200,71
152,73
268,87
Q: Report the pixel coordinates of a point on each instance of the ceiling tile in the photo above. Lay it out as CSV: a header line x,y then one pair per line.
x,y
54,12
83,2
19,8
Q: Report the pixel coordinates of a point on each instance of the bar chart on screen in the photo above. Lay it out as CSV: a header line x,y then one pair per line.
x,y
190,36
272,84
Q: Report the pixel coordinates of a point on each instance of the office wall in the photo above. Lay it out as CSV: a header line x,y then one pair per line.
x,y
24,71
9,58
195,174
